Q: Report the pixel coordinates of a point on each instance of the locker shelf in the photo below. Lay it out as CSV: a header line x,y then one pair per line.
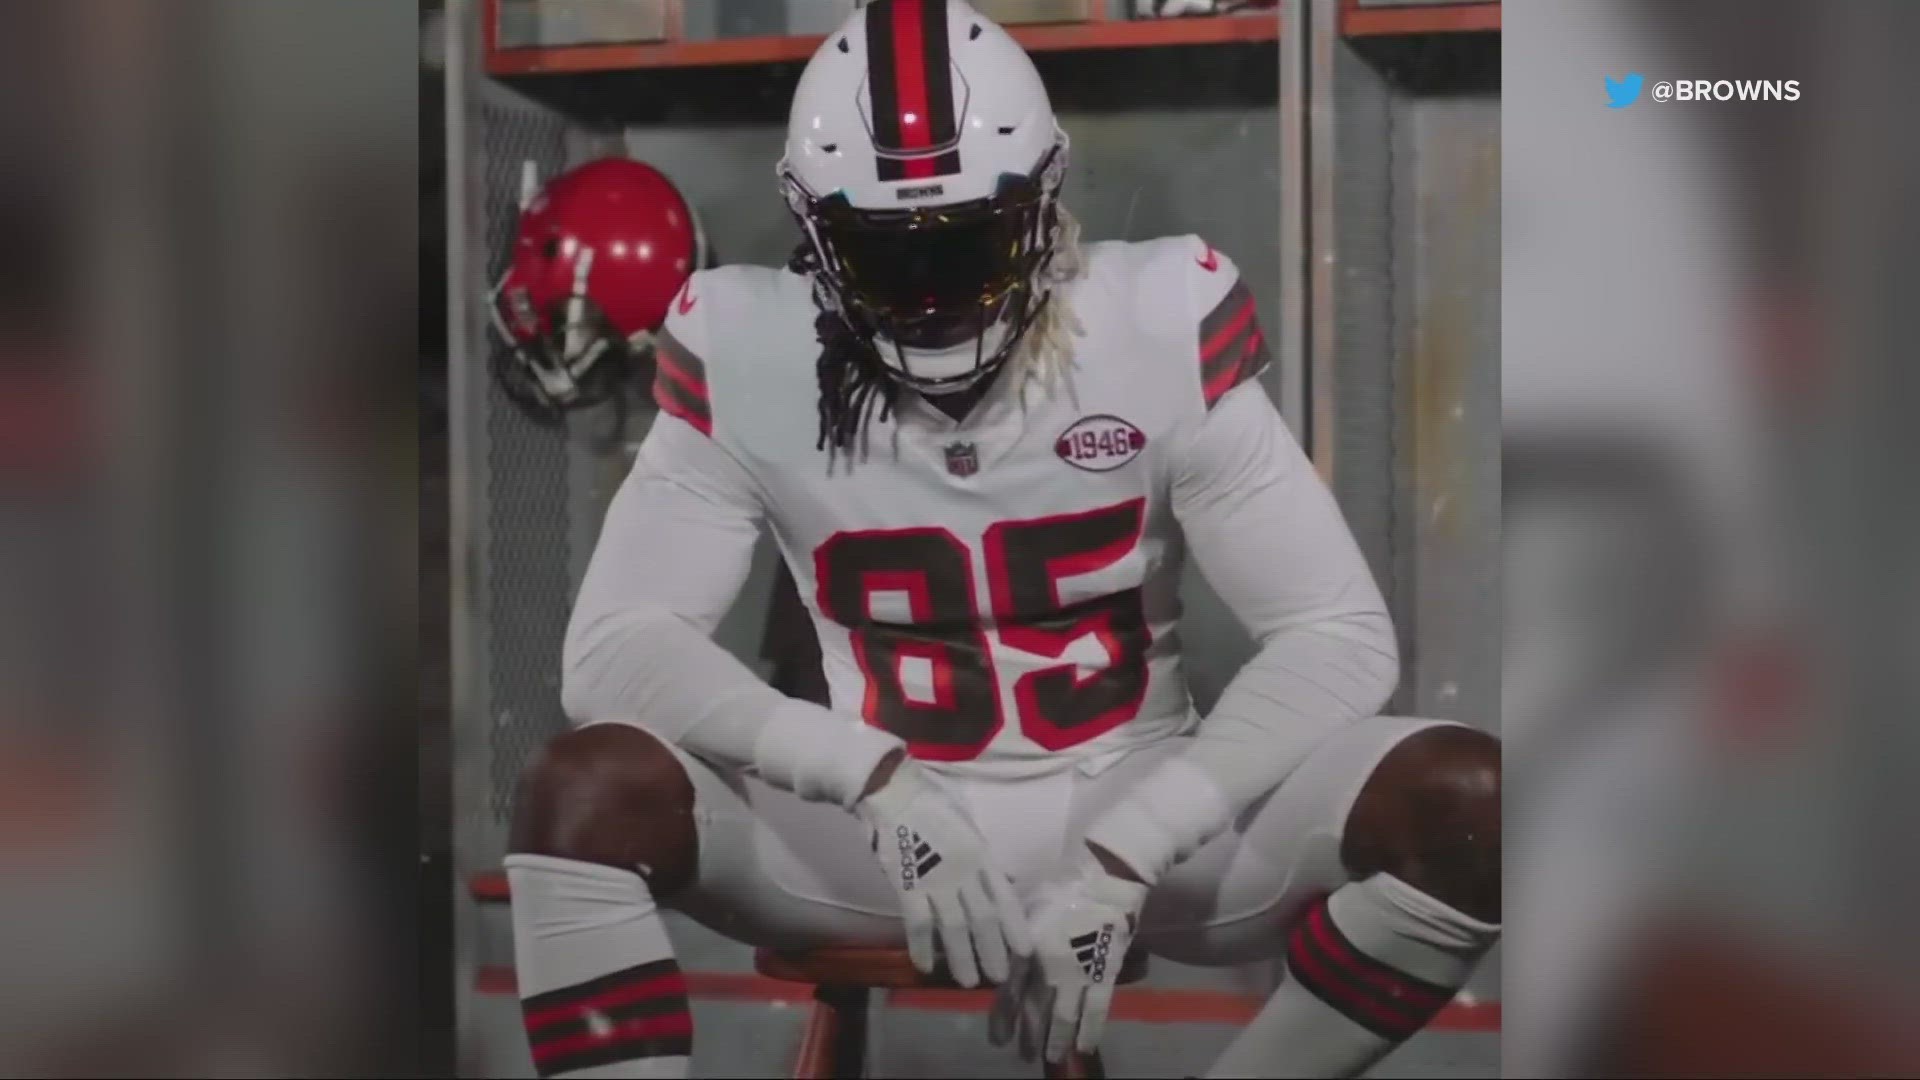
x,y
1408,19
1061,37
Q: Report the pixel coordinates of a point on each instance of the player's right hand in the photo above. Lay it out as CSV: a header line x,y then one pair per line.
x,y
938,863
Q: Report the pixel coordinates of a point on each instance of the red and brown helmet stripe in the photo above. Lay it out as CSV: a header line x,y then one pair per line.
x,y
910,79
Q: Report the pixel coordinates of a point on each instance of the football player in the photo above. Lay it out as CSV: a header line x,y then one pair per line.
x,y
985,449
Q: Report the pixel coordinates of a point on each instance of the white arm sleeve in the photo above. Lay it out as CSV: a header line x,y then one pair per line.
x,y
673,553
1268,536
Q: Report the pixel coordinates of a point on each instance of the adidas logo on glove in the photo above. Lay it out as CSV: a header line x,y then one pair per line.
x,y
917,857
1092,952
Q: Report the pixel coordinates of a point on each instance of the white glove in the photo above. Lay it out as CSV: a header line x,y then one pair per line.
x,y
1082,930
938,861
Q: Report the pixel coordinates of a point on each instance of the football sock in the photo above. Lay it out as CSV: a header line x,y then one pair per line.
x,y
1367,966
599,988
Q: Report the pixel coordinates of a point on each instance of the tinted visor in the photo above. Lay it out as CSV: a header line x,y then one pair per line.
x,y
909,265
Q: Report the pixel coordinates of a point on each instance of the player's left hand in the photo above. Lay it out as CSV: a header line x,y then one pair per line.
x,y
1082,929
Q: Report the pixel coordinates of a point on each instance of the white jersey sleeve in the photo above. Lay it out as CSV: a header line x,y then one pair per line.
x,y
673,553
1268,536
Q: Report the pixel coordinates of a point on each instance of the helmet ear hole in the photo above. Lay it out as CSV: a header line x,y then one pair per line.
x,y
551,249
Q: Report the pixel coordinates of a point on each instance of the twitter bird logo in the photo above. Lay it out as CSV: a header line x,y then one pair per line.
x,y
1622,92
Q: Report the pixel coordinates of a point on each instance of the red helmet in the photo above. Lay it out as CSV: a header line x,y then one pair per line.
x,y
600,253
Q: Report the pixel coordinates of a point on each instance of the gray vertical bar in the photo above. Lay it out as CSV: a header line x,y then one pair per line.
x,y
1323,21
461,64
1292,331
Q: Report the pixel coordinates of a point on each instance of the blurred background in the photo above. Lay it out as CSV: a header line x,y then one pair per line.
x,y
1708,686
1346,155
207,488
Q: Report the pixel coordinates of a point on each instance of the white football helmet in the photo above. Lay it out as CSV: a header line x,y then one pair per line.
x,y
924,163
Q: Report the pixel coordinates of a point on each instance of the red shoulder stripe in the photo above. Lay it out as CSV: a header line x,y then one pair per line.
x,y
1232,347
1231,327
680,383
1251,360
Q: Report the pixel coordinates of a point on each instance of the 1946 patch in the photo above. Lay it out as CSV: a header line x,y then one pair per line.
x,y
1100,443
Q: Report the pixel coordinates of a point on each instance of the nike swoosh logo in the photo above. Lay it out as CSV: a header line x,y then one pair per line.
x,y
687,299
1211,261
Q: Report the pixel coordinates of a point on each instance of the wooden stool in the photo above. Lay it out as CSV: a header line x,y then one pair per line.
x,y
835,1041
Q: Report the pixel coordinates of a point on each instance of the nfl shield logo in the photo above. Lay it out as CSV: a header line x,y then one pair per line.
x,y
962,460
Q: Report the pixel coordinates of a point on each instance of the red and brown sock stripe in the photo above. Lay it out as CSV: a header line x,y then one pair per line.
x,y
1232,348
910,78
680,383
637,1013
1391,1004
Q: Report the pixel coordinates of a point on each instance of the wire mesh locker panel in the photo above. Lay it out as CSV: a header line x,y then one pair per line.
x,y
520,480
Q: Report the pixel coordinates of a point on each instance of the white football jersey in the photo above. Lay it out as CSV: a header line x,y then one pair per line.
x,y
1001,589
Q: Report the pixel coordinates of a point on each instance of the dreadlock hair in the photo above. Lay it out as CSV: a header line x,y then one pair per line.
x,y
853,379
